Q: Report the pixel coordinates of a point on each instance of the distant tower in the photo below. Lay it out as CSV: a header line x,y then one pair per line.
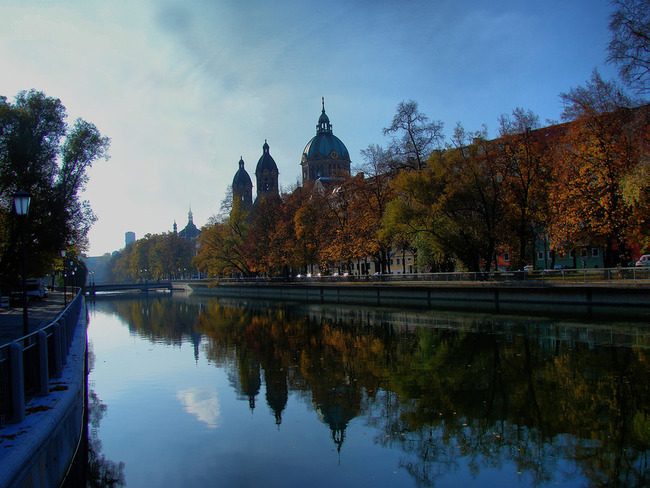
x,y
325,157
190,232
266,174
242,187
129,238
175,227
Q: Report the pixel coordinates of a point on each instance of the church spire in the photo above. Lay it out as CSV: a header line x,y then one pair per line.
x,y
324,126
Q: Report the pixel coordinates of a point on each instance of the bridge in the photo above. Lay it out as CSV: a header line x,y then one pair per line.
x,y
146,287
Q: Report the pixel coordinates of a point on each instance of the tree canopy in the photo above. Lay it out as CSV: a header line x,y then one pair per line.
x,y
42,154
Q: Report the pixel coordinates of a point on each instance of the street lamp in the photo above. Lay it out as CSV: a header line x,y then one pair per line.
x,y
63,274
21,204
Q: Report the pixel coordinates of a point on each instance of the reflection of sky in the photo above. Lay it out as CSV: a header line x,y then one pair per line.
x,y
203,404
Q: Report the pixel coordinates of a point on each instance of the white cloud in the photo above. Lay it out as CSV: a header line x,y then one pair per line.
x,y
203,403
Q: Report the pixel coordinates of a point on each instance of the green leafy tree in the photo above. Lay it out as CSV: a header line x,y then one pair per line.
x,y
222,245
41,154
455,205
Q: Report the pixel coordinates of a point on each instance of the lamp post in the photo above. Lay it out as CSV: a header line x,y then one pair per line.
x,y
21,204
63,274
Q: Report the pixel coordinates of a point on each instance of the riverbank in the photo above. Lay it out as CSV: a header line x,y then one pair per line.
x,y
593,301
38,450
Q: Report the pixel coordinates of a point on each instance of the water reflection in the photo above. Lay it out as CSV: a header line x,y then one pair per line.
x,y
561,401
101,472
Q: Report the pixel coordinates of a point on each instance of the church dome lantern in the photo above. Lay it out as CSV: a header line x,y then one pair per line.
x,y
325,156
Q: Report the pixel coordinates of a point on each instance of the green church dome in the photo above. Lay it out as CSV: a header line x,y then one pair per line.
x,y
325,144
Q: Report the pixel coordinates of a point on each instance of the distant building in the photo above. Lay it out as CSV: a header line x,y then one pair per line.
x,y
129,238
190,232
325,158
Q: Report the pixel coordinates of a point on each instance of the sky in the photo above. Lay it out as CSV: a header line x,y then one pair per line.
x,y
185,88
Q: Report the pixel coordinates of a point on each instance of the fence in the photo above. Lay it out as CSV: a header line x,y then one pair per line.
x,y
28,363
636,275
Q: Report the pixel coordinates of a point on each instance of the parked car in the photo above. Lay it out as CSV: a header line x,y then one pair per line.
x,y
644,260
36,288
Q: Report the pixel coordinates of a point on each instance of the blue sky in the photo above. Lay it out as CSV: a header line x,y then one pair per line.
x,y
186,88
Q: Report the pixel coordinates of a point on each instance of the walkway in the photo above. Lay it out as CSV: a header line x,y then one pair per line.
x,y
40,313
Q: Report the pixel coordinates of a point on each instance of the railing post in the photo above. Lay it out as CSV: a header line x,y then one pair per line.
x,y
68,334
16,383
43,371
64,339
57,350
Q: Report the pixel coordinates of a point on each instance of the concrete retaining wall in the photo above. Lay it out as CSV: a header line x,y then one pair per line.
x,y
36,453
619,302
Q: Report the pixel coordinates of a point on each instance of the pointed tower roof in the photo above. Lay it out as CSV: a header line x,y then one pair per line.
x,y
266,162
242,177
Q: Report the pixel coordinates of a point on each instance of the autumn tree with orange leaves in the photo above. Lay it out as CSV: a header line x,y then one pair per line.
x,y
602,146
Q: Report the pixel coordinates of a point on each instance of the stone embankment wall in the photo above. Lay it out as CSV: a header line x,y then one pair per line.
x,y
38,451
574,300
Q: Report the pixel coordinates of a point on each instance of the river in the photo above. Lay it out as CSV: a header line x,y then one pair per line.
x,y
195,392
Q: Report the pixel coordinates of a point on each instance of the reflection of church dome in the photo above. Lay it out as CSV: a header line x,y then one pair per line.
x,y
337,418
325,155
276,391
336,409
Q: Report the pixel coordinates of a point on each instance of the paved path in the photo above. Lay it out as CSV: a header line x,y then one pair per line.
x,y
39,312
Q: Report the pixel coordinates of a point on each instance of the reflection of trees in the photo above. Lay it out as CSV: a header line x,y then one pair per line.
x,y
469,390
491,400
102,472
156,318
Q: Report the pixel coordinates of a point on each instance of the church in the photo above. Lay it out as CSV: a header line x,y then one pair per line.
x,y
324,159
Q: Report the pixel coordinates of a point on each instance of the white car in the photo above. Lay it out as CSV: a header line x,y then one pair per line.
x,y
644,260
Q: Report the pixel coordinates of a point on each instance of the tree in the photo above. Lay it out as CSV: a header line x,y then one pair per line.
x,y
260,238
414,137
222,245
473,200
290,251
455,205
629,47
603,145
41,154
376,193
524,149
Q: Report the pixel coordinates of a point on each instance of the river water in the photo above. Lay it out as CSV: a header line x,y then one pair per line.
x,y
195,392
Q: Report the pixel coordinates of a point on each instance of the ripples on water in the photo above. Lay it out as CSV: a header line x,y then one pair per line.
x,y
207,392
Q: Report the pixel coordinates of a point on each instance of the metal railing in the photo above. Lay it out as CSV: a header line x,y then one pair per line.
x,y
28,363
635,275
